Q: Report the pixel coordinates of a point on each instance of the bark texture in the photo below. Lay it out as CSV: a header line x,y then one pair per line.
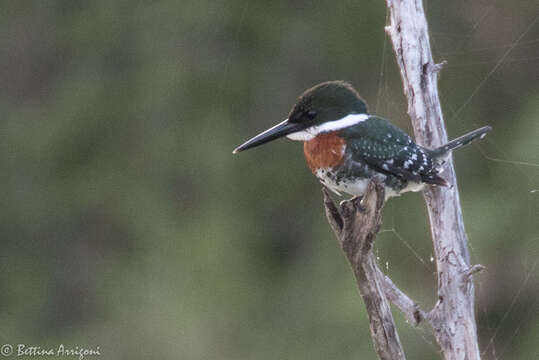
x,y
356,223
453,317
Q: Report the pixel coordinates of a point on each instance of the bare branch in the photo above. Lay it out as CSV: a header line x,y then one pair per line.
x,y
410,308
356,224
472,270
453,317
332,213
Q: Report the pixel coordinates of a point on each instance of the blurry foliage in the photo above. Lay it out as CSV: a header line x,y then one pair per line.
x,y
128,224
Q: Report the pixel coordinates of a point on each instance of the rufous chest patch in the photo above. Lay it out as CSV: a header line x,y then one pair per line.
x,y
324,151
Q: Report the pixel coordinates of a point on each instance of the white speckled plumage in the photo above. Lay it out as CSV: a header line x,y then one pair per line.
x,y
357,187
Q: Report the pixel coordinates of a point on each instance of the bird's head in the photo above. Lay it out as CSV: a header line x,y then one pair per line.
x,y
328,106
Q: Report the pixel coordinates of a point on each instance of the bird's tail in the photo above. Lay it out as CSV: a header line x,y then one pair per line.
x,y
465,139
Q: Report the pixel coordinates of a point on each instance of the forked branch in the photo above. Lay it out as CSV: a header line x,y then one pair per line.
x,y
356,222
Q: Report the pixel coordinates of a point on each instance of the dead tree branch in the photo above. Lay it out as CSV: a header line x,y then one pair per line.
x,y
356,223
453,318
407,306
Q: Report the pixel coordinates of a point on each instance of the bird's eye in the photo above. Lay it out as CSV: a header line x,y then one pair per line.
x,y
311,114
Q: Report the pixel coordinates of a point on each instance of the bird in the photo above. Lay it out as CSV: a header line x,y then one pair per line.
x,y
346,147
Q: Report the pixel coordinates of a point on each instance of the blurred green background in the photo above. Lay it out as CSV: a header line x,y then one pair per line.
x,y
127,224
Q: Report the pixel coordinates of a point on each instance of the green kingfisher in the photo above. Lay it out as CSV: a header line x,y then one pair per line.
x,y
346,147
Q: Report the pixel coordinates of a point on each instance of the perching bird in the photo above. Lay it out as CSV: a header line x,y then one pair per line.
x,y
346,147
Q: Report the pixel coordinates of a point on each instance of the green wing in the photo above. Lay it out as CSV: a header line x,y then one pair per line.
x,y
377,138
390,150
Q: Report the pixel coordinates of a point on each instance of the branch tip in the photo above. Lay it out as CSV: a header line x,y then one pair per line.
x,y
332,213
418,315
472,270
437,67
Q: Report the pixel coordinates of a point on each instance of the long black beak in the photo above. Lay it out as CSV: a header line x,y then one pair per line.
x,y
279,130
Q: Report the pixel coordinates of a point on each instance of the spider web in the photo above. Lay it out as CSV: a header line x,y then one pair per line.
x,y
495,155
494,346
